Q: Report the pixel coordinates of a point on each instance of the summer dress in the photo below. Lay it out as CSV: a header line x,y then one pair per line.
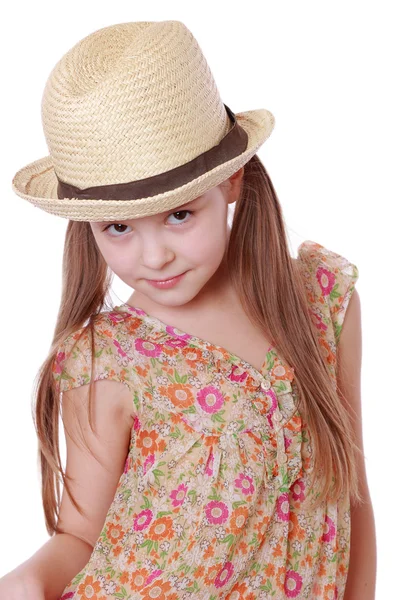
x,y
210,502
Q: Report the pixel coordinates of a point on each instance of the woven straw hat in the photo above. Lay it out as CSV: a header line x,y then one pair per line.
x,y
135,125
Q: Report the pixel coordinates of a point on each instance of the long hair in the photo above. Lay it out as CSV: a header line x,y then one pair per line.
x,y
271,290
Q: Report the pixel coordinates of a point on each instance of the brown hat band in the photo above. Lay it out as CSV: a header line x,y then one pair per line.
x,y
231,145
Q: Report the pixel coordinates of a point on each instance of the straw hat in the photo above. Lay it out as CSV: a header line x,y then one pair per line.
x,y
135,125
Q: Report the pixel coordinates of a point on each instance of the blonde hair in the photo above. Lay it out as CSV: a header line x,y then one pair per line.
x,y
271,289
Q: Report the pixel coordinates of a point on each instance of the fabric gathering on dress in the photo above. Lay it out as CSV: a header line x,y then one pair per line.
x,y
210,502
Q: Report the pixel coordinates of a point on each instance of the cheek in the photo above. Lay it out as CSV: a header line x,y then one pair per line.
x,y
117,258
207,245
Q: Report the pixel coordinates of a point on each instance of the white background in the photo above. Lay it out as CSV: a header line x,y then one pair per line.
x,y
329,72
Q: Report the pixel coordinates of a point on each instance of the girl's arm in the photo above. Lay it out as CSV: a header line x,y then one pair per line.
x,y
361,579
45,575
93,485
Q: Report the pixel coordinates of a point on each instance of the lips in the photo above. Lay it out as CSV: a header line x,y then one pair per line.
x,y
167,279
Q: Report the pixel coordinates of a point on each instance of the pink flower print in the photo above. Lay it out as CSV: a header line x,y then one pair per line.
x,y
135,309
282,507
148,463
58,363
238,374
116,317
174,332
136,423
297,489
317,320
245,483
210,399
142,520
121,352
209,465
179,495
293,584
326,280
67,596
287,442
330,529
147,348
224,575
128,463
176,343
216,512
152,576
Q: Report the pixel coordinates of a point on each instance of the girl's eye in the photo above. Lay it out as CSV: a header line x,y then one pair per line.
x,y
179,213
182,212
115,225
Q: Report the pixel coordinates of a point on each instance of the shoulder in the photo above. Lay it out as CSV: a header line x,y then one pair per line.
x,y
329,279
101,345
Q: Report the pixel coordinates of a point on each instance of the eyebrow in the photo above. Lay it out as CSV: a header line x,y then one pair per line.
x,y
166,212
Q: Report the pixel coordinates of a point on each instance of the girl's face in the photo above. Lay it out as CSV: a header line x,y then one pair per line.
x,y
190,239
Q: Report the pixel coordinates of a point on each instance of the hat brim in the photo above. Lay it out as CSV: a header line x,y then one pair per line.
x,y
37,182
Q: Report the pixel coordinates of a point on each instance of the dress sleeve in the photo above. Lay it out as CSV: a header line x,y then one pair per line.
x,y
330,281
113,358
72,365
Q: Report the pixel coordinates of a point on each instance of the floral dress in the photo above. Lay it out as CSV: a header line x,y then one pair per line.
x,y
210,502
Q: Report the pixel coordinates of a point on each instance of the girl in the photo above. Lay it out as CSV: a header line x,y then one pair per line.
x,y
212,422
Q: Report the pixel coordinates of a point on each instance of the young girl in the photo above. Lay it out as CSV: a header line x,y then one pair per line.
x,y
213,436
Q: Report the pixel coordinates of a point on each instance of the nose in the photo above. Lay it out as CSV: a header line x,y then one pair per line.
x,y
155,254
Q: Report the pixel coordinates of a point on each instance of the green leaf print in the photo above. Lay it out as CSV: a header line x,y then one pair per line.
x,y
267,587
176,433
253,540
162,513
335,293
122,594
78,578
229,539
238,503
193,588
147,503
147,544
218,417
136,400
214,495
177,377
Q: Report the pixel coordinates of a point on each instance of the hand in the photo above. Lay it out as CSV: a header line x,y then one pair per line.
x,y
14,586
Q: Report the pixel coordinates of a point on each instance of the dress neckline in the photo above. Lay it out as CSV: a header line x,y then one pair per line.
x,y
270,358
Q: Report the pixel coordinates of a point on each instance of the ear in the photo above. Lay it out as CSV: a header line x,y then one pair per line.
x,y
232,185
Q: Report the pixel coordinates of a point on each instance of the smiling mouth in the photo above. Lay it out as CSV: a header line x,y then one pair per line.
x,y
168,278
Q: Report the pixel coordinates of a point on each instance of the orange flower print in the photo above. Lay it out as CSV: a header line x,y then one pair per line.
x,y
161,529
138,579
179,394
192,355
212,573
238,519
330,591
89,589
158,591
238,591
146,440
114,533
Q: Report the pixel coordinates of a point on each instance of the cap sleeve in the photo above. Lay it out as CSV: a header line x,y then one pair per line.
x,y
330,281
72,364
113,358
